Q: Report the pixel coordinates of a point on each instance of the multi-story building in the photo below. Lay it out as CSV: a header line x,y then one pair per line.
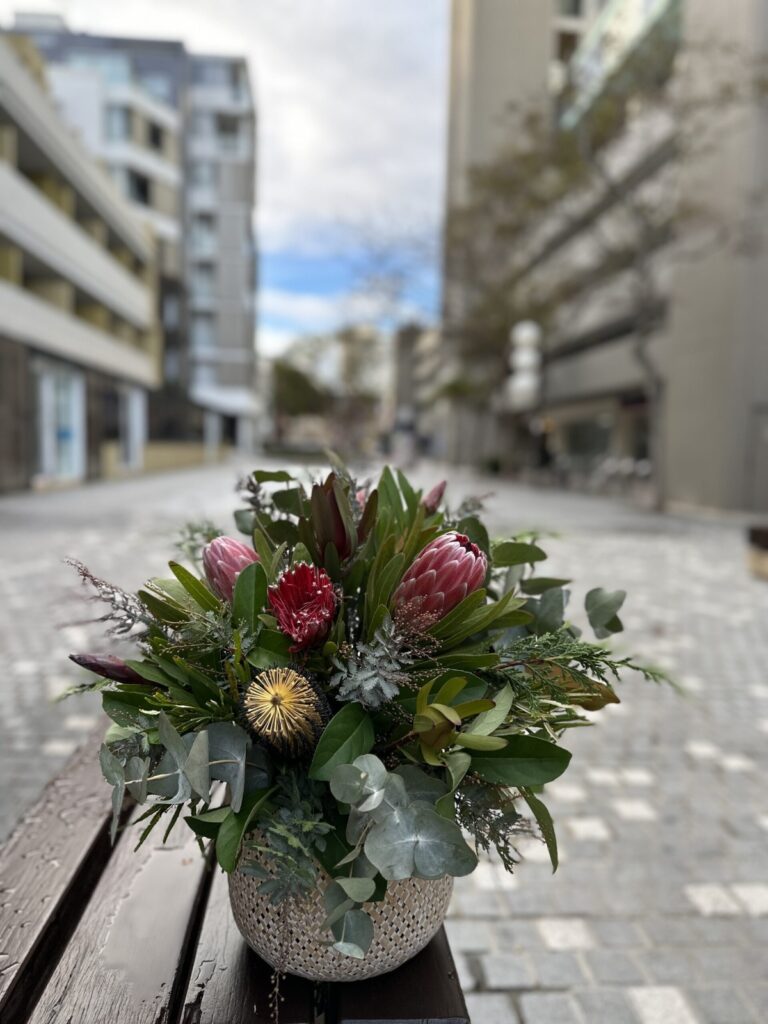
x,y
220,251
177,133
653,347
79,344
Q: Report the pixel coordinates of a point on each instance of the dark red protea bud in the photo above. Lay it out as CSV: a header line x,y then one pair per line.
x,y
332,521
304,602
223,561
431,501
442,575
108,667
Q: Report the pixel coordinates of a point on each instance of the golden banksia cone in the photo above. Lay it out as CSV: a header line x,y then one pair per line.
x,y
285,710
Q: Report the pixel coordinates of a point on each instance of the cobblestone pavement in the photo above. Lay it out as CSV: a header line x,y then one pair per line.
x,y
659,911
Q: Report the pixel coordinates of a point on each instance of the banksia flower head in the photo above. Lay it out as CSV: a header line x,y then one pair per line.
x,y
284,709
304,602
431,501
223,561
441,576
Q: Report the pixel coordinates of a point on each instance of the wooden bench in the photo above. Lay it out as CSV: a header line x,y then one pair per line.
x,y
91,934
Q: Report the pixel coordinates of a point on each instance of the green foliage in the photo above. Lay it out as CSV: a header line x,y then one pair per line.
x,y
430,724
348,734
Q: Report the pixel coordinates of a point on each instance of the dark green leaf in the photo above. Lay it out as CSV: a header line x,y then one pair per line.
x,y
525,761
348,735
250,596
545,823
233,827
196,589
514,552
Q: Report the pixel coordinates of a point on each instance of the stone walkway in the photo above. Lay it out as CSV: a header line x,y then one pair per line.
x,y
659,911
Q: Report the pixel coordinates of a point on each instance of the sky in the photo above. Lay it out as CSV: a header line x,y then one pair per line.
x,y
351,98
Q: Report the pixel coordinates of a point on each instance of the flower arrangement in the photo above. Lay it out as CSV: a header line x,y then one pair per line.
x,y
380,689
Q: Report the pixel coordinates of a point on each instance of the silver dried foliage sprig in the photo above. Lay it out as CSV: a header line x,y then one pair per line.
x,y
126,611
374,672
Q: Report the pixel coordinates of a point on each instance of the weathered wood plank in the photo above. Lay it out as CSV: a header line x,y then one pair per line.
x,y
425,990
126,959
47,867
228,983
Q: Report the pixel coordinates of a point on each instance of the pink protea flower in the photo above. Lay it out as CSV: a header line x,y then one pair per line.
x,y
223,561
431,500
441,576
304,601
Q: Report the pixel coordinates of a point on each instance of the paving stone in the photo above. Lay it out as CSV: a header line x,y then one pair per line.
x,y
606,1006
549,1008
662,1006
720,1005
557,970
753,897
508,971
617,933
712,899
565,933
610,967
490,1008
467,935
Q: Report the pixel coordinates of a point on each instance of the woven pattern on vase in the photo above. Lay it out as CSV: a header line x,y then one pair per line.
x,y
290,937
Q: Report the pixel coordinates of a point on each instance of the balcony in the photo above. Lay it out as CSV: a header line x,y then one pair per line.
x,y
41,325
618,32
39,228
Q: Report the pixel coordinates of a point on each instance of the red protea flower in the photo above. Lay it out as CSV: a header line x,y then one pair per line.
x,y
431,501
442,575
304,601
223,561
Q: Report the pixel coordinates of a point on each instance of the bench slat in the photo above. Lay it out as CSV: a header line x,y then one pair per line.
x,y
228,983
127,952
62,844
425,990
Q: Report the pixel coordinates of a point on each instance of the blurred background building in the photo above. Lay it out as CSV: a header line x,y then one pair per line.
x,y
176,132
79,342
639,276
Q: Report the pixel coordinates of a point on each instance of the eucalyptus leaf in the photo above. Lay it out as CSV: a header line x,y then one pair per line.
x,y
494,718
112,771
354,934
358,889
234,759
417,842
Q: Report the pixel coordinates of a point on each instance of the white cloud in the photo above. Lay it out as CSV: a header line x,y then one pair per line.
x,y
351,99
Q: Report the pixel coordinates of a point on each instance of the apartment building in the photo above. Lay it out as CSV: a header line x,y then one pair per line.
x,y
177,133
221,250
79,344
654,360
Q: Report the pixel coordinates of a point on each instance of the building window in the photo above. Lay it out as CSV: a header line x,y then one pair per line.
x,y
572,8
202,280
203,173
155,136
201,122
171,313
159,87
566,45
139,188
118,123
202,334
